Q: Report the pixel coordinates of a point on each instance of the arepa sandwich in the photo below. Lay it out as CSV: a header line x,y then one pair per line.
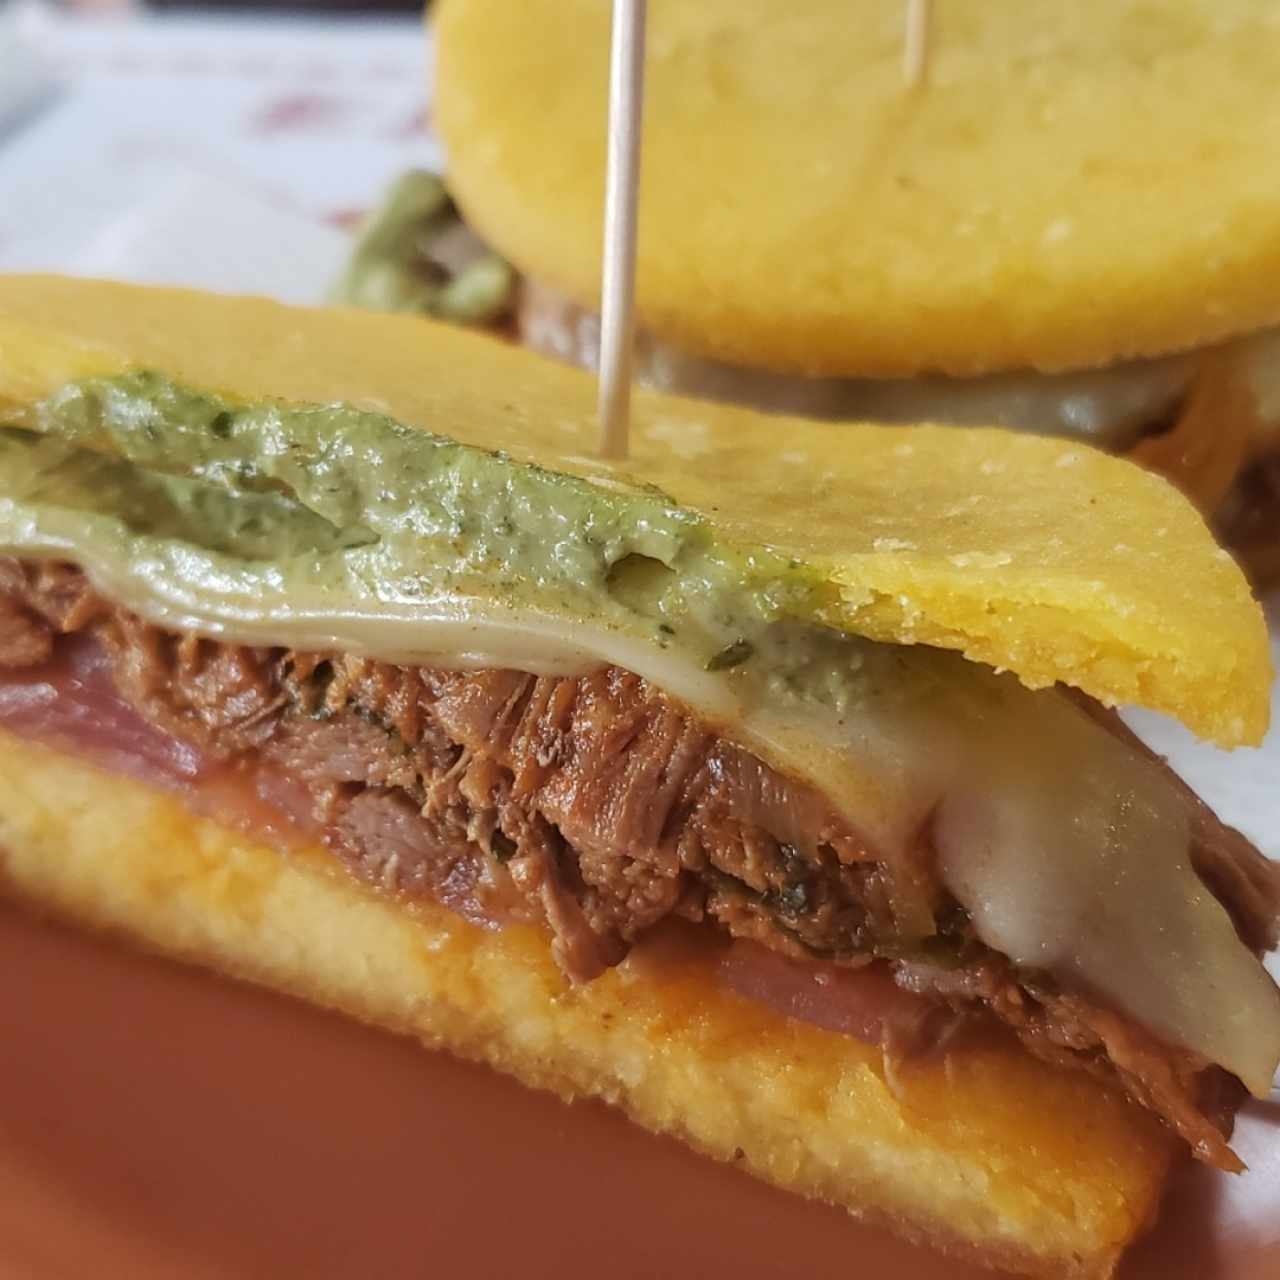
x,y
1068,228
774,798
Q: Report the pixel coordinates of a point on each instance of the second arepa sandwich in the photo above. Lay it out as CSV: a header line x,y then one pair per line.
x,y
1069,228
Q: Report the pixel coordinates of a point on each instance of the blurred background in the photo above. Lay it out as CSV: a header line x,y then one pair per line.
x,y
228,147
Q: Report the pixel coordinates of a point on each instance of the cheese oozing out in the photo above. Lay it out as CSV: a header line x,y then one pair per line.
x,y
270,525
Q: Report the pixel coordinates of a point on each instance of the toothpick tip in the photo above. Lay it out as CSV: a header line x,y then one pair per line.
x,y
915,45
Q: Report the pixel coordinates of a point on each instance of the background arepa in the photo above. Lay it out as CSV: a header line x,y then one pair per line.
x,y
1076,184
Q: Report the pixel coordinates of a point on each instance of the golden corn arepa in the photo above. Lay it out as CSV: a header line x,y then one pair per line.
x,y
941,1152
1047,559
1073,185
1017,550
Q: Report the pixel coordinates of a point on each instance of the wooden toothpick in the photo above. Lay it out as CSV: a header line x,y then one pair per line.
x,y
915,44
617,303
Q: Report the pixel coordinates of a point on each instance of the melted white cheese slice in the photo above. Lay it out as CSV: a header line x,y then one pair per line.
x,y
1074,859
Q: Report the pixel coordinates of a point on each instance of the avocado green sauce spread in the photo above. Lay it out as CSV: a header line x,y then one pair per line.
x,y
414,253
329,527
340,501
46,471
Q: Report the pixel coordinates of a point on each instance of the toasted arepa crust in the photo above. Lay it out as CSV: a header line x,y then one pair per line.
x,y
971,1153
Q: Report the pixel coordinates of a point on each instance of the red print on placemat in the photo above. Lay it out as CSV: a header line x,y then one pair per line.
x,y
299,113
346,219
413,125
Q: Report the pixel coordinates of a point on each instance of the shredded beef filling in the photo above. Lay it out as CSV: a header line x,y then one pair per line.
x,y
597,807
1249,521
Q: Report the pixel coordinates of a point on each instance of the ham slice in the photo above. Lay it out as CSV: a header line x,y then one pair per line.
x,y
864,1003
70,702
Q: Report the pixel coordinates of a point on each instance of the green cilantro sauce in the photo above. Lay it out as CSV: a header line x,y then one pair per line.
x,y
414,253
355,506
